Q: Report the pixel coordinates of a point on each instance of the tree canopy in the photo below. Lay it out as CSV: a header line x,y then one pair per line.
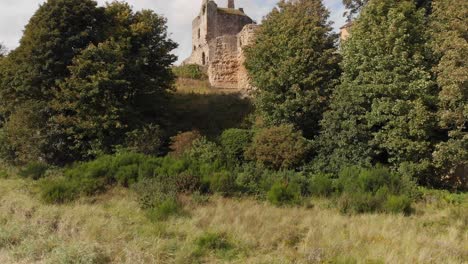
x,y
99,72
294,64
383,110
450,44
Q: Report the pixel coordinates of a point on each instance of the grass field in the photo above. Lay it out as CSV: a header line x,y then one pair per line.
x,y
112,229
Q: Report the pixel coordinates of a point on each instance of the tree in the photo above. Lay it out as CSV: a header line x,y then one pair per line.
x,y
100,74
383,110
57,32
280,147
450,44
3,50
116,87
294,64
354,7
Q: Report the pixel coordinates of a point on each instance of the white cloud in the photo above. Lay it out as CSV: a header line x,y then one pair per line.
x,y
14,15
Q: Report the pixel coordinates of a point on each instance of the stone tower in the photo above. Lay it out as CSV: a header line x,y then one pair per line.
x,y
218,35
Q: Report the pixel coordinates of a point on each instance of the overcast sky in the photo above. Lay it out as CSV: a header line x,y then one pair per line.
x,y
14,15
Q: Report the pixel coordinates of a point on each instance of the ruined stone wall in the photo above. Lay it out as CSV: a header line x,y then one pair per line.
x,y
226,69
219,36
246,37
224,64
229,24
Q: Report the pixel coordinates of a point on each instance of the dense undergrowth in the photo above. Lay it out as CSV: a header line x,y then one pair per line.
x,y
207,168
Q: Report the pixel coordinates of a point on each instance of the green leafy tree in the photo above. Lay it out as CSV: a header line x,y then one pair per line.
x,y
280,147
3,50
383,110
100,74
294,64
57,32
115,87
450,43
354,7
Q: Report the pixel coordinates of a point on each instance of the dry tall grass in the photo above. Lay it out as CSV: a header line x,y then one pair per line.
x,y
111,229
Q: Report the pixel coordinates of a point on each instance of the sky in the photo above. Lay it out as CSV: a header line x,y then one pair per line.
x,y
15,14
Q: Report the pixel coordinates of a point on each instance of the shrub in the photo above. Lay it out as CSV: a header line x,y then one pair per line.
x,y
127,175
183,142
147,140
278,147
59,191
283,194
204,151
159,198
213,241
223,182
321,185
398,204
34,170
165,209
374,190
190,71
235,142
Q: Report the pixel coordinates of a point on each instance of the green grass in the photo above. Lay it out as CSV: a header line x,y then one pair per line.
x,y
197,106
110,228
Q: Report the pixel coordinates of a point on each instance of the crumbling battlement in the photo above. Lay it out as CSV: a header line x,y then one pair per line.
x,y
219,36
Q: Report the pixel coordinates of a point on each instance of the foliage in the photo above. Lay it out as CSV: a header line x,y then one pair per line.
x,y
223,182
59,191
190,71
97,72
3,51
375,190
280,147
294,64
321,185
55,34
450,44
182,142
213,241
23,135
147,140
34,170
283,194
383,110
353,8
235,142
159,198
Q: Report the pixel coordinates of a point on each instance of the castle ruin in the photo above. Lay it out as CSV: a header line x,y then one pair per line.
x,y
219,36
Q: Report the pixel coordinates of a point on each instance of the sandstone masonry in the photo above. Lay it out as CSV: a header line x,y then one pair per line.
x,y
219,36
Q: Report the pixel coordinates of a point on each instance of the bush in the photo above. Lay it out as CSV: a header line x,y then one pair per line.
x,y
213,241
223,182
398,204
190,71
165,209
235,142
127,175
283,194
321,185
158,197
147,140
34,170
183,142
278,147
59,191
374,190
